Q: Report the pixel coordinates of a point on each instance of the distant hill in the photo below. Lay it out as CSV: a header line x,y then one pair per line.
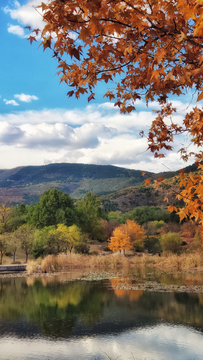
x,y
26,184
133,196
127,199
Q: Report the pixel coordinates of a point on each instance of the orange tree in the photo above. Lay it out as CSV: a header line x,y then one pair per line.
x,y
149,49
125,236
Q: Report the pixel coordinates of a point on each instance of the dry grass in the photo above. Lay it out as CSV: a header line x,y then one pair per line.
x,y
75,261
53,263
171,261
34,266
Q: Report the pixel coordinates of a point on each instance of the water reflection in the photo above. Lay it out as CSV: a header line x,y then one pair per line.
x,y
82,320
153,343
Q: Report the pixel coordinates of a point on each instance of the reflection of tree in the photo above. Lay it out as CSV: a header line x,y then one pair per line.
x,y
173,307
189,279
133,295
56,308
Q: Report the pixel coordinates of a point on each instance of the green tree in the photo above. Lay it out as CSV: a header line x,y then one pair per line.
x,y
144,214
41,243
25,235
53,207
90,212
17,217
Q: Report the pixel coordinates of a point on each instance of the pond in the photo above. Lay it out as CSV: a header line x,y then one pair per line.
x,y
51,318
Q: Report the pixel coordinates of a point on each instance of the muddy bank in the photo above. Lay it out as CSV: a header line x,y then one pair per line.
x,y
133,282
156,287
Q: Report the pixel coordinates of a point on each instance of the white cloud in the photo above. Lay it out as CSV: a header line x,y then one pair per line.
x,y
11,102
25,98
95,134
26,14
16,29
9,134
54,136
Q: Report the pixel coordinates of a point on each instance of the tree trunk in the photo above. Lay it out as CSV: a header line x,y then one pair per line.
x,y
1,259
26,259
14,255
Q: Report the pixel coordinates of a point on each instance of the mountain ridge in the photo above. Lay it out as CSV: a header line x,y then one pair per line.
x,y
27,183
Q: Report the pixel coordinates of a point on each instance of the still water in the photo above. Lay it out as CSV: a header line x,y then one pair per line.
x,y
51,318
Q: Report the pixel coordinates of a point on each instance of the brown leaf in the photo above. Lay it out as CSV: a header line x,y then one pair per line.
x,y
91,97
31,39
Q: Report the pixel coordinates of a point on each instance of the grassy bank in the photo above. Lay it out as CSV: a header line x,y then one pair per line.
x,y
53,263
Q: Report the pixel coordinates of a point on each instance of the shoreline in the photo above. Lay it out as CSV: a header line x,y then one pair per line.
x,y
124,280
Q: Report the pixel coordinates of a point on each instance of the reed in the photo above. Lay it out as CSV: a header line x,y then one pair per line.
x,y
75,261
53,263
33,266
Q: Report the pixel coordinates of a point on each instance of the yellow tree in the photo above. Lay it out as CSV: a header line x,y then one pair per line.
x,y
68,236
135,231
125,236
74,237
3,246
4,213
120,240
150,49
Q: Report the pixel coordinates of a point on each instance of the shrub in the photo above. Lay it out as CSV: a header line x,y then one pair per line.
x,y
152,245
94,253
171,242
138,246
170,228
158,223
82,249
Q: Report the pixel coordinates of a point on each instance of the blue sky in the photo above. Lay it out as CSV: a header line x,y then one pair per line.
x,y
39,124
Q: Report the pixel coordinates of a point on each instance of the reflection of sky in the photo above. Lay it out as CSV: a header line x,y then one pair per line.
x,y
162,342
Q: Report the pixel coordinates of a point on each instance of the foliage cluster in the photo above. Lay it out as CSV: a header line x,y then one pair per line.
x,y
144,214
148,50
126,236
56,225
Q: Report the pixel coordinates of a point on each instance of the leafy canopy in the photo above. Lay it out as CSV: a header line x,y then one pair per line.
x,y
125,236
89,212
53,207
148,49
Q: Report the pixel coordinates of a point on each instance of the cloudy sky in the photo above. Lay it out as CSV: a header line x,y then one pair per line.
x,y
39,124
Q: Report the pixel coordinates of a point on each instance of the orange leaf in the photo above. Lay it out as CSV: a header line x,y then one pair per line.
x,y
172,208
147,182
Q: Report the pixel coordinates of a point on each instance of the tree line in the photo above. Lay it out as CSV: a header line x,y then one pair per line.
x,y
55,224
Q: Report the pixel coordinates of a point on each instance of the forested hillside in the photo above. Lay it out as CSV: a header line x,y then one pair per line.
x,y
26,184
